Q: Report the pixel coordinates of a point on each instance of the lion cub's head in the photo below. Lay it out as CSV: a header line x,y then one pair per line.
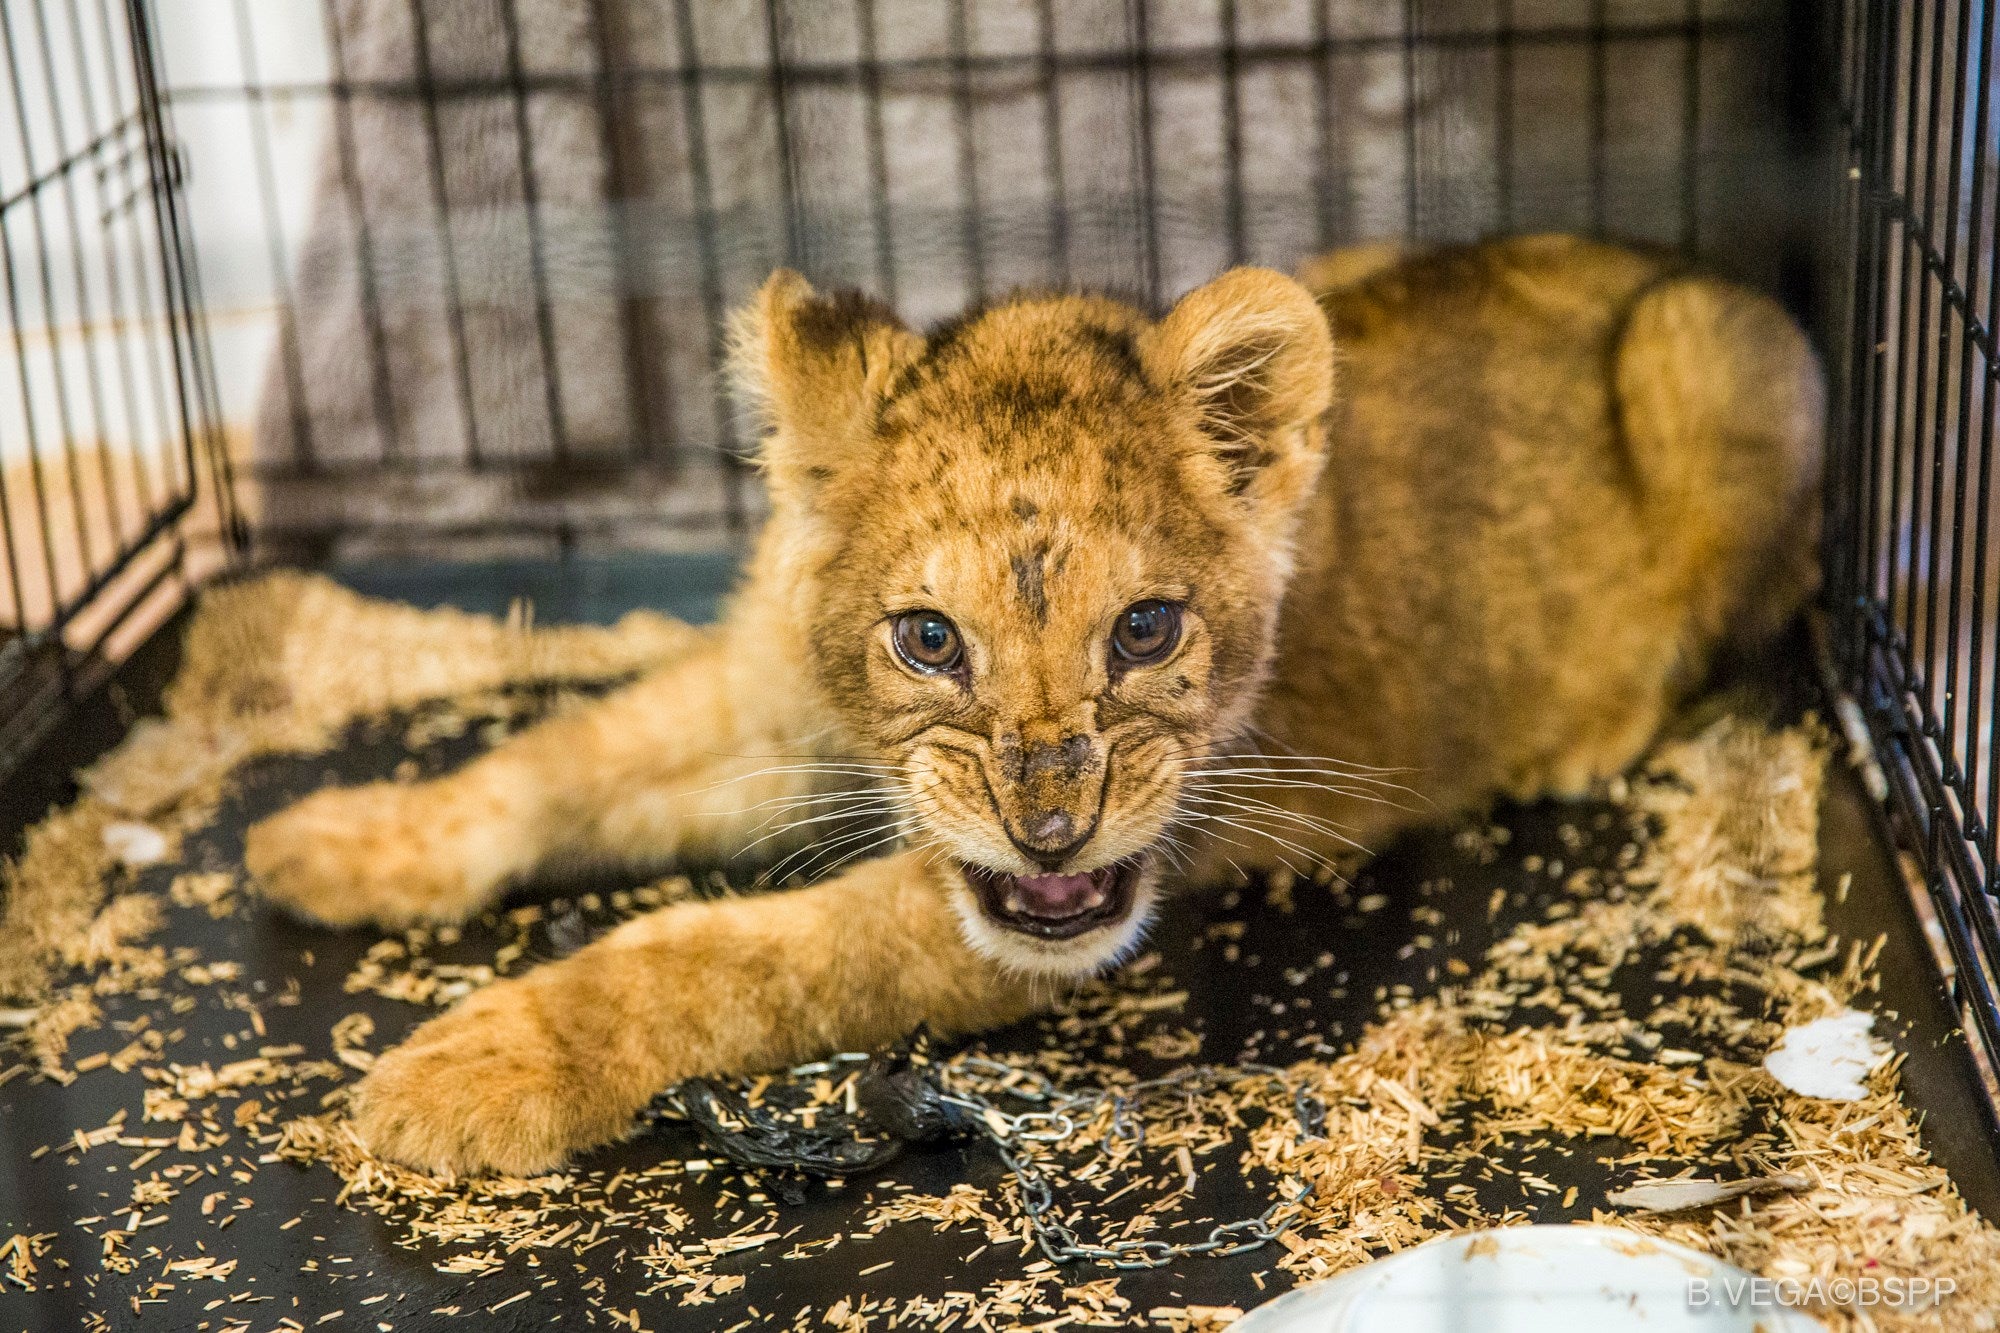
x,y
1038,556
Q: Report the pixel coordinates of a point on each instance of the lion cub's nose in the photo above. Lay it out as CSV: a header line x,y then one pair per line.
x,y
1059,760
1053,831
1047,799
1051,839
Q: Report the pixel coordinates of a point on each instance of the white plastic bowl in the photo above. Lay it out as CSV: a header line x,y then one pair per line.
x,y
1535,1279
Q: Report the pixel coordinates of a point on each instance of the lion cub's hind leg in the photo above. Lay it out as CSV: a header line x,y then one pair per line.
x,y
1718,412
1722,406
1336,270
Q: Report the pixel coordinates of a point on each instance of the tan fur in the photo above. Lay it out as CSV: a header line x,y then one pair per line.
x,y
1558,477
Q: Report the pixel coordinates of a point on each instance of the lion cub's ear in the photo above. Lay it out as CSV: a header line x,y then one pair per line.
x,y
815,368
1252,353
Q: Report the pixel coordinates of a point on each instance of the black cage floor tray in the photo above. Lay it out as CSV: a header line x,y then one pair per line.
x,y
1260,983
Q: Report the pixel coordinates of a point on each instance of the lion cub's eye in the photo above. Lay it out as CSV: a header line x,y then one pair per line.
x,y
1146,631
927,641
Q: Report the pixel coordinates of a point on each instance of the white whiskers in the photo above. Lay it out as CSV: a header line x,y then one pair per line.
x,y
1228,790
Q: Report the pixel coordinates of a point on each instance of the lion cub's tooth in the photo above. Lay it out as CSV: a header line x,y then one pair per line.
x,y
1014,903
1096,898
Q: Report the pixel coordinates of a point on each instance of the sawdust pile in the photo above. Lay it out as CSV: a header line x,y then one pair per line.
x,y
280,664
260,651
1738,810
50,893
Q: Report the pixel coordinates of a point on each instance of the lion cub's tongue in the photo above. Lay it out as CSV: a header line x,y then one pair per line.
x,y
1056,895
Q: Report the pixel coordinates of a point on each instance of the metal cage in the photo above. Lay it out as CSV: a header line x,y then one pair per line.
x,y
1911,581
497,321
108,413
401,276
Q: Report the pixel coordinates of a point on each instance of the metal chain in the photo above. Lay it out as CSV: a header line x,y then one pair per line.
x,y
1056,1122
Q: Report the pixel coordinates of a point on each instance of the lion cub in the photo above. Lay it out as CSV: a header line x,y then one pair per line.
x,y
1059,605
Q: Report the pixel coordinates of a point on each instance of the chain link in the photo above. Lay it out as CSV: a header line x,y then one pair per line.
x,y
1055,1121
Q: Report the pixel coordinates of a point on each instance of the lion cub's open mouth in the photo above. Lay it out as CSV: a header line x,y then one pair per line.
x,y
1056,907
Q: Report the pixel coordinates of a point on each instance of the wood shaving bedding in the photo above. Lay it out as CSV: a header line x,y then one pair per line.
x,y
1715,903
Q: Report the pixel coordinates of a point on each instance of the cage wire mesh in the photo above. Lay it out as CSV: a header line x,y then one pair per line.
x,y
108,409
471,263
1911,576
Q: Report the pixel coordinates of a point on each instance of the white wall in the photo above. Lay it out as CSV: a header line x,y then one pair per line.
x,y
240,199
93,223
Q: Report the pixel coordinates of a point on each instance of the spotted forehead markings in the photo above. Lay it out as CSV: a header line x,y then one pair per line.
x,y
1028,583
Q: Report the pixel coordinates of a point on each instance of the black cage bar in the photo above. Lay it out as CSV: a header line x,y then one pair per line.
x,y
108,409
1910,536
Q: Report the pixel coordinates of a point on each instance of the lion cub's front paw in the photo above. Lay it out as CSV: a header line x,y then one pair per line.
x,y
383,853
487,1087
